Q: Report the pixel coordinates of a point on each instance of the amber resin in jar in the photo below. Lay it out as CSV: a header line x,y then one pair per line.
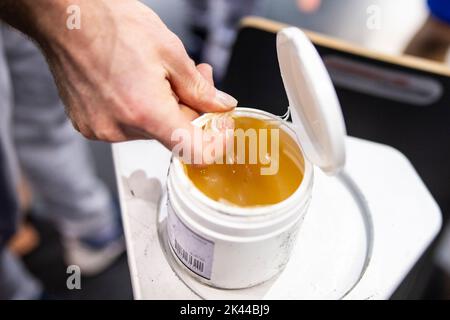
x,y
244,185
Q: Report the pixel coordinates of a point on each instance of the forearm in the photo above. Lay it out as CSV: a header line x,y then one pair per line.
x,y
32,17
45,21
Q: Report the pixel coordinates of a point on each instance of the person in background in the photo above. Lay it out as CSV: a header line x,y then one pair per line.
x,y
213,24
432,41
57,166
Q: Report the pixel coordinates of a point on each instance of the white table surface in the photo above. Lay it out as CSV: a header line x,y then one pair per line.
x,y
328,257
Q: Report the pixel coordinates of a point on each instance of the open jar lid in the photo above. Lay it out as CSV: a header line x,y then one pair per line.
x,y
314,106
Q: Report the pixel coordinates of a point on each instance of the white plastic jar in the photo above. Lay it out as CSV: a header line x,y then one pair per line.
x,y
227,246
233,248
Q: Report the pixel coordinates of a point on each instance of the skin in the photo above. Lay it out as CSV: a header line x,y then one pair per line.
x,y
124,75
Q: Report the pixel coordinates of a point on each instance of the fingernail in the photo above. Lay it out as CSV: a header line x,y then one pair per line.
x,y
225,99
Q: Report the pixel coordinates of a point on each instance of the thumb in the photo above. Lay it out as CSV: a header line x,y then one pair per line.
x,y
206,71
197,91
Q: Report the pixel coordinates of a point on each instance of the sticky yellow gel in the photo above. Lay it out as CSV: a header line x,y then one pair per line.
x,y
243,184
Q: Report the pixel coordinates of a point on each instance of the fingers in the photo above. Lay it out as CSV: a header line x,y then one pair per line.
x,y
190,85
107,130
193,139
180,117
198,93
177,133
213,141
207,72
188,113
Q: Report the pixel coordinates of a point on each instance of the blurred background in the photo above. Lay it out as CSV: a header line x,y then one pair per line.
x,y
399,22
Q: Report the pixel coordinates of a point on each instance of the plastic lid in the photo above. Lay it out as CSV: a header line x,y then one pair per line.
x,y
315,109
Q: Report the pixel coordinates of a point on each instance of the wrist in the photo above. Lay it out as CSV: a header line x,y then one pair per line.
x,y
55,22
32,17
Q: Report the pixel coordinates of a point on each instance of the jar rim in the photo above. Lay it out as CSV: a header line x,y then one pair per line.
x,y
255,211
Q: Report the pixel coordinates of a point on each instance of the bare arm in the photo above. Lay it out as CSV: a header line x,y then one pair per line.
x,y
124,75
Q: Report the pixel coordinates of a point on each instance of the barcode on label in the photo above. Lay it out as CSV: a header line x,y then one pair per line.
x,y
192,262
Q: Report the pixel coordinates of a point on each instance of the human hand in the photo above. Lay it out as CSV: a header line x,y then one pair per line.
x,y
125,75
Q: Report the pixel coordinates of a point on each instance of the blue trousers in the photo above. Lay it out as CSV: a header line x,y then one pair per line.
x,y
38,141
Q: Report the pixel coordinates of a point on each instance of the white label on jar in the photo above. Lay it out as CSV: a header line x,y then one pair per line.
x,y
194,251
